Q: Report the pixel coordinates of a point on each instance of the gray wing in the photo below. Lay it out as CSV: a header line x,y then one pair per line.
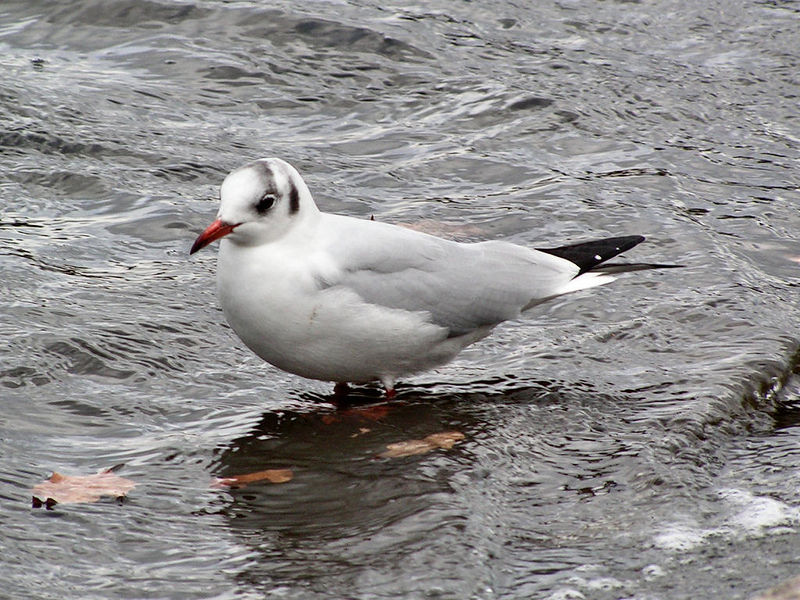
x,y
462,286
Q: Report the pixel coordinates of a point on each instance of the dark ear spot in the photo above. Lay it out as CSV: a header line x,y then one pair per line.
x,y
294,199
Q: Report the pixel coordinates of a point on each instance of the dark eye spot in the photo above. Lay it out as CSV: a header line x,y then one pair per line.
x,y
266,202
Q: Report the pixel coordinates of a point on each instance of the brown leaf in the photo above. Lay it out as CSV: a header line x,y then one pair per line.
x,y
66,489
444,440
239,481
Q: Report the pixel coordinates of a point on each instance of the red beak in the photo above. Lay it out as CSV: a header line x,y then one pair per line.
x,y
213,232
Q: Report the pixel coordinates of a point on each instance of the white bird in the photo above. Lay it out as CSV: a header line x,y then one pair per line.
x,y
342,299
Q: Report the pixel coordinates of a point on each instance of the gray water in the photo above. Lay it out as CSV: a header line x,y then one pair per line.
x,y
641,440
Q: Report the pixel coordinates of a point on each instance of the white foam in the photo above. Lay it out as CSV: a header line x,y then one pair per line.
x,y
756,514
747,515
680,538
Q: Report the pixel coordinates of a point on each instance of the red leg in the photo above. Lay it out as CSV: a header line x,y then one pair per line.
x,y
341,389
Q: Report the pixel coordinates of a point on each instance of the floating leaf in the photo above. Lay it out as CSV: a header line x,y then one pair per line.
x,y
444,440
66,489
239,481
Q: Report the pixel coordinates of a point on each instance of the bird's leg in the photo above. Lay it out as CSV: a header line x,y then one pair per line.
x,y
390,393
341,389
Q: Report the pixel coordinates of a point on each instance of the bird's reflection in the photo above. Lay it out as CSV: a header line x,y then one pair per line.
x,y
357,461
351,499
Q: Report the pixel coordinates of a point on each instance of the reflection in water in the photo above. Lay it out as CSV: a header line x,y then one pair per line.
x,y
347,508
341,486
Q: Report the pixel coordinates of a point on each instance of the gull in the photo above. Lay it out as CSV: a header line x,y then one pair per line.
x,y
348,300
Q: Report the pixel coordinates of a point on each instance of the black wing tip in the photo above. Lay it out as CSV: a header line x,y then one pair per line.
x,y
588,255
625,242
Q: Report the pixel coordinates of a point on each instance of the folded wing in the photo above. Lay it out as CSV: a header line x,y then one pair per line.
x,y
463,287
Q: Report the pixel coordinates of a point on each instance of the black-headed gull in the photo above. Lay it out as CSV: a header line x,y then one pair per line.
x,y
343,299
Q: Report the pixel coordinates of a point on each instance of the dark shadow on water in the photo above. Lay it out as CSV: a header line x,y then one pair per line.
x,y
343,483
350,504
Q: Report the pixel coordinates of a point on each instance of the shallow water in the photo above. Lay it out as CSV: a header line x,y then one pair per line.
x,y
639,441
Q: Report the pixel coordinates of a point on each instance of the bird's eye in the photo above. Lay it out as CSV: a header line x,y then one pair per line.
x,y
265,203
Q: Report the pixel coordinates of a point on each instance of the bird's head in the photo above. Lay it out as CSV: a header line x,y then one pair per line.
x,y
259,203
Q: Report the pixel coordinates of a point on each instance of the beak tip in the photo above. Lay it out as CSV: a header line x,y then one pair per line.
x,y
213,232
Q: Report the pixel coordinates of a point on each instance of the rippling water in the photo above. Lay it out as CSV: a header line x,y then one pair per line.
x,y
639,441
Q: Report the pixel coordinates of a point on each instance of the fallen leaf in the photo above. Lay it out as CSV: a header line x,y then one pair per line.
x,y
239,481
67,489
407,448
444,440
